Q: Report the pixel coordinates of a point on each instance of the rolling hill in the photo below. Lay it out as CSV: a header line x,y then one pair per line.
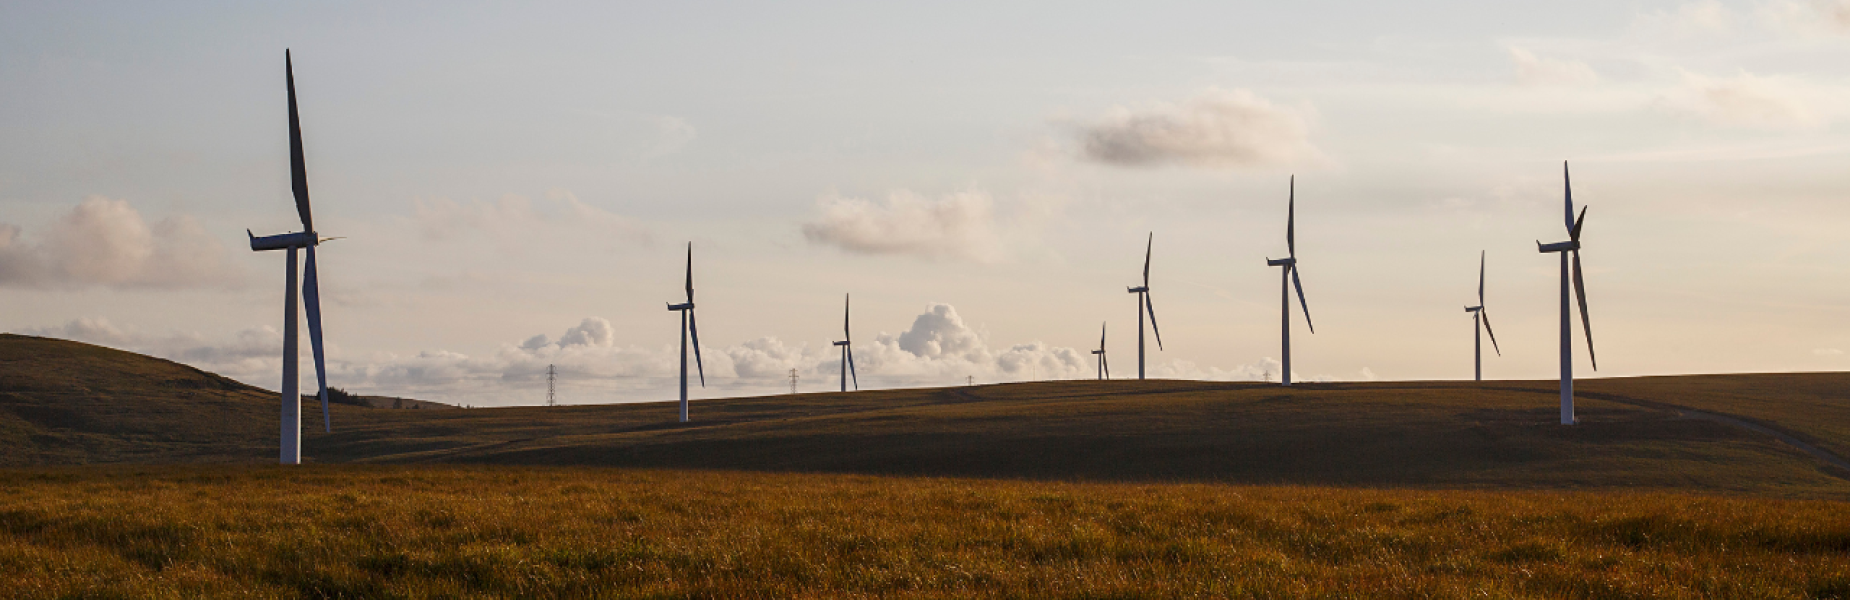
x,y
1781,434
65,402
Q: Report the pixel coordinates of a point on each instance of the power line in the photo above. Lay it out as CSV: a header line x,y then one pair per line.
x,y
551,374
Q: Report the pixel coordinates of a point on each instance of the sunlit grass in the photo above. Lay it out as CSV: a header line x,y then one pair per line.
x,y
460,531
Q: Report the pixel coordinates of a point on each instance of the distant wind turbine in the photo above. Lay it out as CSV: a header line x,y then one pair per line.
x,y
1572,245
1143,304
306,240
1104,366
1290,280
847,349
689,328
1481,320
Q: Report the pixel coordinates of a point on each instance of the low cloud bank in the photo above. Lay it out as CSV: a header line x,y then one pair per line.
x,y
596,366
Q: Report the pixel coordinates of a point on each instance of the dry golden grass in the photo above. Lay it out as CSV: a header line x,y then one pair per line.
x,y
362,531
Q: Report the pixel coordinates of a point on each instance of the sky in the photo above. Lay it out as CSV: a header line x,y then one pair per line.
x,y
515,186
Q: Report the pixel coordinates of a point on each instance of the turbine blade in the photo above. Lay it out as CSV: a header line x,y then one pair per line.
x,y
1573,231
298,169
1101,337
1567,185
845,307
1106,364
690,271
693,330
1153,328
1146,258
1580,294
851,375
1306,305
1480,278
1485,315
311,298
1291,220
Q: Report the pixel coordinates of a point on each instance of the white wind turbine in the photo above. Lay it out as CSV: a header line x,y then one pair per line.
x,y
304,240
1571,246
689,328
847,349
1143,304
1480,319
1290,274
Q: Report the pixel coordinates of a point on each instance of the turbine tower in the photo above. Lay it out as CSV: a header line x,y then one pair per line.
x,y
1480,319
689,328
1571,246
1143,304
1104,367
847,349
1290,280
304,240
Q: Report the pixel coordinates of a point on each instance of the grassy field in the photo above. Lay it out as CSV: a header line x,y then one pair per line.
x,y
448,531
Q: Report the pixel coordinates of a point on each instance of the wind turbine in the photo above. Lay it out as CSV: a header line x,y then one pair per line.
x,y
689,328
1481,320
1143,303
1104,367
847,349
1290,280
1572,245
305,240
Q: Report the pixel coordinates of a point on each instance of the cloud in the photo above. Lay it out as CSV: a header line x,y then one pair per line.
x,y
513,219
961,225
1216,129
250,355
1704,18
1744,100
1535,71
672,134
593,331
107,242
596,364
1807,18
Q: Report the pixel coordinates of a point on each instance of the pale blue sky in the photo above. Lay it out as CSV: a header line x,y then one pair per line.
x,y
508,171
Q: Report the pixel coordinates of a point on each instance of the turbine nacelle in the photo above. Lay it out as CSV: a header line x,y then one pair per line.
x,y
1567,246
1137,290
844,343
300,239
681,306
1280,262
1472,309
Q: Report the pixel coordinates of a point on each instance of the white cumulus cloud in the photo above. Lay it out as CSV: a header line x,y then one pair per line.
x,y
107,242
960,226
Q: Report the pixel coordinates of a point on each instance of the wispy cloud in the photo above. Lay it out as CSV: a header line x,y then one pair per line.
x,y
1744,99
106,242
1537,71
514,218
1216,129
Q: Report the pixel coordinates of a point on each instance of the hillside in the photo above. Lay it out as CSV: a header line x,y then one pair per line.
x,y
64,402
1643,433
1782,434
